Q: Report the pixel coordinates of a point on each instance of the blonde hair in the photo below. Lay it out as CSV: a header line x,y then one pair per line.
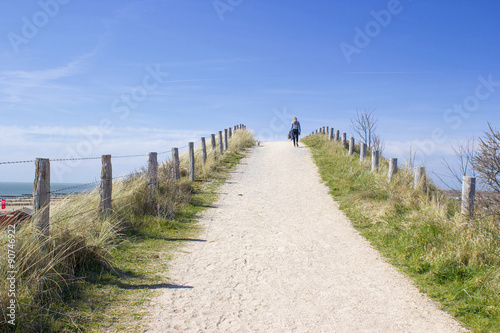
x,y
294,118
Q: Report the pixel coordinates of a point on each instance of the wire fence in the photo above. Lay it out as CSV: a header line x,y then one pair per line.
x,y
468,183
17,162
87,187
169,151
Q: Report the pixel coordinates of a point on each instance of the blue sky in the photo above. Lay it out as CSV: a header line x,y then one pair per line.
x,y
124,77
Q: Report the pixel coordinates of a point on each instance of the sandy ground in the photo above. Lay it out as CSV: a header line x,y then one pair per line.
x,y
278,256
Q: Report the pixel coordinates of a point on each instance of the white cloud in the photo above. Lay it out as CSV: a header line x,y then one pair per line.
x,y
42,75
19,85
295,92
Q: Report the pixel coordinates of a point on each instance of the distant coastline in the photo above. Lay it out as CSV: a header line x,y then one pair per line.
x,y
25,189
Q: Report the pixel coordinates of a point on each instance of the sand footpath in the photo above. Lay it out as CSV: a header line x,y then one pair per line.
x,y
278,256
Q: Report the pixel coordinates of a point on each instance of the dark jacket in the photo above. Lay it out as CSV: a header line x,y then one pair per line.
x,y
296,125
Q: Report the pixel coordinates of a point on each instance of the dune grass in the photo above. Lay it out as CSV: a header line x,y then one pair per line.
x,y
97,273
453,259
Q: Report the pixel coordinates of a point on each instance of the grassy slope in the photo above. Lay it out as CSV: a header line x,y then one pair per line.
x,y
453,260
99,273
143,260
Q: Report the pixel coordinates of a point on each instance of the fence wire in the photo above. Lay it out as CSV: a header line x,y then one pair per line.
x,y
17,162
95,183
95,157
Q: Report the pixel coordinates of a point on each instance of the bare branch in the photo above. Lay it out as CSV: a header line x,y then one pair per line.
x,y
487,165
464,157
410,160
378,144
487,161
364,125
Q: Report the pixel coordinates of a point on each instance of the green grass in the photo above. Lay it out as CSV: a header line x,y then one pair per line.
x,y
100,273
140,263
454,260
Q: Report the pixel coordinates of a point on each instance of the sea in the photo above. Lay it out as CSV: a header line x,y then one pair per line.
x,y
18,189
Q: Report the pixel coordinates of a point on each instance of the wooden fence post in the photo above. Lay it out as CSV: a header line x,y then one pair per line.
x,y
225,139
203,151
419,177
191,161
327,130
351,146
41,199
468,195
362,152
106,186
375,158
214,143
323,130
176,164
230,132
393,168
221,144
337,135
344,139
331,134
316,132
153,169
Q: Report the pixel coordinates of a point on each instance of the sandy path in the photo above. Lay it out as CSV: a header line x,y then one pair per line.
x,y
280,257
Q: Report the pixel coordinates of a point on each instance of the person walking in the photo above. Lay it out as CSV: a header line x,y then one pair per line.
x,y
296,131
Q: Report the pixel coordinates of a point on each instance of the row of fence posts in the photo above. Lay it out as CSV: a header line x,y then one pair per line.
x,y
41,186
468,183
